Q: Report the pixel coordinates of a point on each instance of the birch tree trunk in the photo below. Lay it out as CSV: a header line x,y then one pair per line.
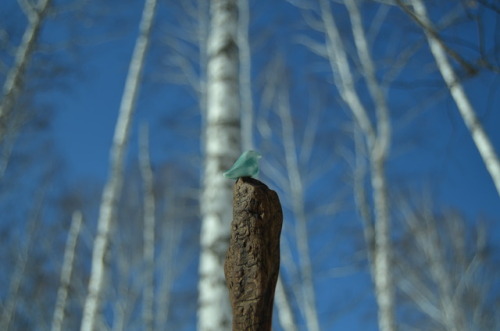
x,y
149,230
222,147
67,268
12,85
113,187
377,137
245,76
8,312
297,197
444,270
284,310
479,136
382,258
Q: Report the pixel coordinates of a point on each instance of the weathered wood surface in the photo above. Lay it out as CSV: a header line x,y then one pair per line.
x,y
253,258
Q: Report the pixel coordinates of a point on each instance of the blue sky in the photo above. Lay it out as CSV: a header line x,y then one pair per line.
x,y
434,151
86,116
442,158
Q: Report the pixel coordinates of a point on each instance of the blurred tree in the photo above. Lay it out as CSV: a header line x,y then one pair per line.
x,y
21,265
324,125
377,139
66,271
222,137
13,84
294,191
441,53
112,190
245,60
444,271
292,142
149,229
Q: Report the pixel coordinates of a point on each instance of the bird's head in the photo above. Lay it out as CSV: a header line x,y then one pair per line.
x,y
253,154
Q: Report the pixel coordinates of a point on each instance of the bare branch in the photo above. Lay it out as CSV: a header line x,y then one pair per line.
x,y
442,267
149,229
430,31
467,112
297,191
9,306
67,268
245,77
13,83
342,74
112,190
316,47
28,8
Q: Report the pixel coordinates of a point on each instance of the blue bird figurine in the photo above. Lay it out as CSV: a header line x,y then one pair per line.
x,y
247,165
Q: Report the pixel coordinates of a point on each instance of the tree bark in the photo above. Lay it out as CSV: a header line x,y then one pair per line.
x,y
67,269
222,146
36,15
297,194
253,258
438,50
149,230
377,137
112,190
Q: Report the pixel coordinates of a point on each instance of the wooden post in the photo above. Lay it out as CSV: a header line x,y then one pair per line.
x,y
253,258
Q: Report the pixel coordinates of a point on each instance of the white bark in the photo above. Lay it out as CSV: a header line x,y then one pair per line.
x,y
12,85
382,275
9,305
378,142
222,147
382,258
245,77
171,234
113,187
203,18
467,112
67,268
296,190
382,143
283,308
149,230
443,269
342,73
360,194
